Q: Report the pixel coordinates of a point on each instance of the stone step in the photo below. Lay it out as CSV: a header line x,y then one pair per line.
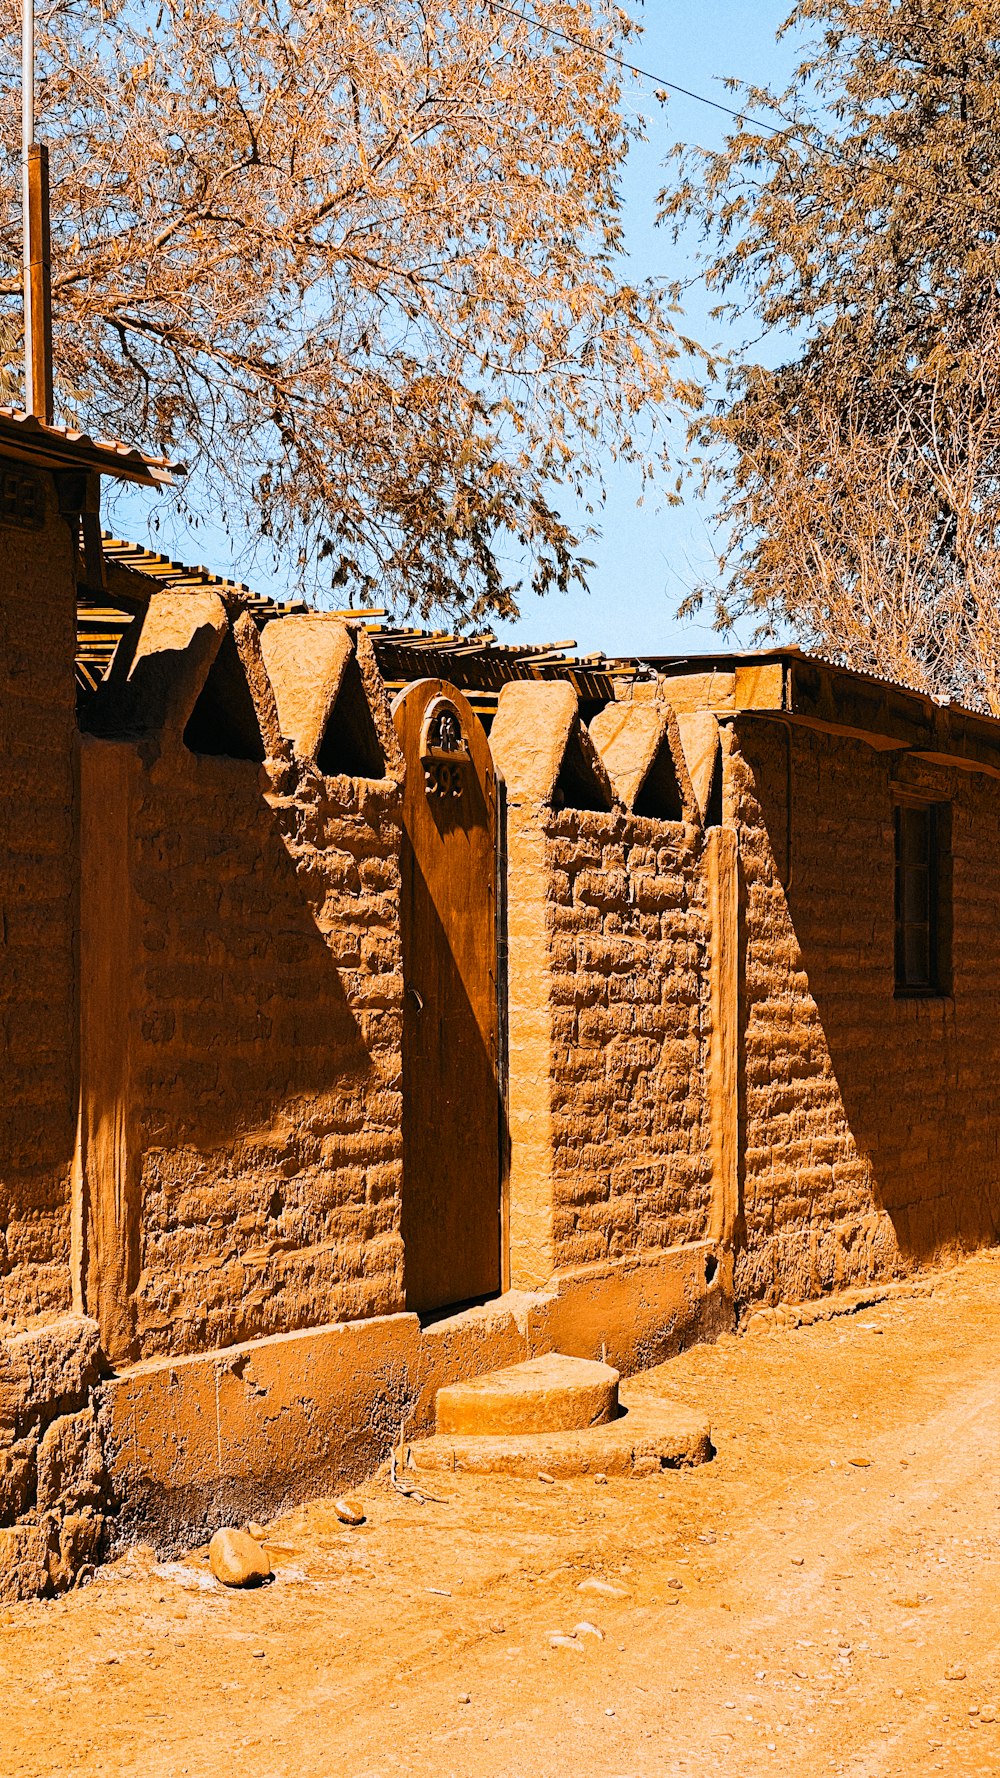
x,y
650,1435
548,1394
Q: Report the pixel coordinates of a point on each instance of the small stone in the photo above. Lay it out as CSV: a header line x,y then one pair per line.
x,y
560,1641
677,1585
955,1673
237,1559
464,1698
349,1511
498,1627
987,1713
606,1587
609,1713
587,1629
258,1654
860,1462
256,1531
797,1561
601,1479
543,1476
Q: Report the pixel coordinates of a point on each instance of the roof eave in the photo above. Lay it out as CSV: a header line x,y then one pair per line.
x,y
820,694
25,439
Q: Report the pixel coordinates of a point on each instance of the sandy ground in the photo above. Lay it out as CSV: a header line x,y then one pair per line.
x,y
788,1611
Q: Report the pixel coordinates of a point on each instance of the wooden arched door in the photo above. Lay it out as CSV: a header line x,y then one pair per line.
x,y
451,1093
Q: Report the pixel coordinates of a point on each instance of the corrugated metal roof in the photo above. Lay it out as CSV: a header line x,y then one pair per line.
x,y
27,438
703,663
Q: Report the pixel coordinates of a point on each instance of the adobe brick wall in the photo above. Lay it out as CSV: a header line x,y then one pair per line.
x,y
53,1482
257,1077
611,1148
267,1069
870,1134
38,878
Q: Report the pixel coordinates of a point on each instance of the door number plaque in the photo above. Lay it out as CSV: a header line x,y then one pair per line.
x,y
444,751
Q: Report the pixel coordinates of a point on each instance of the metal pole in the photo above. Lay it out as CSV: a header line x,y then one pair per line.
x,y
40,283
27,140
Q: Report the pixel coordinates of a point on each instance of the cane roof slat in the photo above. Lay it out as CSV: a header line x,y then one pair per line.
x,y
477,663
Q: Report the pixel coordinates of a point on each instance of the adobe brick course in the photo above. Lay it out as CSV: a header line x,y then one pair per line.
x,y
38,877
611,1151
871,1137
242,1010
627,941
267,1062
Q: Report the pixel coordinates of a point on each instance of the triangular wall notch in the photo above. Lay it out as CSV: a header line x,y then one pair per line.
x,y
331,701
640,747
224,721
350,742
660,794
581,784
713,807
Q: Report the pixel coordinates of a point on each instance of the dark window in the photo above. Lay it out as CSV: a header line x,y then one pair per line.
x,y
920,831
22,500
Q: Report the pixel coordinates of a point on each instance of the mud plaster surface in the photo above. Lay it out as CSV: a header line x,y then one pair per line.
x,y
812,1636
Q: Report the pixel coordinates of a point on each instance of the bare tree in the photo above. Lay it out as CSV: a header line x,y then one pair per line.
x,y
856,482
887,548
358,263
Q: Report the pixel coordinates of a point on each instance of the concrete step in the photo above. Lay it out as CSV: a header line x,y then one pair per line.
x,y
549,1394
650,1434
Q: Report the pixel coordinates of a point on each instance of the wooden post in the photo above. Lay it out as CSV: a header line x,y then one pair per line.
x,y
37,285
106,1184
722,860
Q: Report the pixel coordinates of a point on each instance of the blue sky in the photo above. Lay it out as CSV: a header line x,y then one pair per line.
x,y
646,557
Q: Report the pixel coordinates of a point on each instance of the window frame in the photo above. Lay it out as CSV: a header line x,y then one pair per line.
x,y
939,891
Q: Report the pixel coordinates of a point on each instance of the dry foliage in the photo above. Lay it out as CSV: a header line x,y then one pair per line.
x,y
890,554
859,482
358,264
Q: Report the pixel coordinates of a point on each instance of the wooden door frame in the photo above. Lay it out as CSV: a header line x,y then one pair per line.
x,y
428,689
503,1030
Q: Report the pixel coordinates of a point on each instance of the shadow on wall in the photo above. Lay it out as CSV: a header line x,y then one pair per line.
x,y
241,1009
863,1106
240,1018
233,1003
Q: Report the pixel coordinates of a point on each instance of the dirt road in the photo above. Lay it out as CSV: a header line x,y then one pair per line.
x,y
784,1610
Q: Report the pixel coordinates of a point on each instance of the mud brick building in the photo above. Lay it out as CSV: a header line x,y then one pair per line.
x,y
866,821
380,1007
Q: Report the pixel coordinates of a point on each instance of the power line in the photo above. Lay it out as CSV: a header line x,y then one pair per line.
x,y
631,67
